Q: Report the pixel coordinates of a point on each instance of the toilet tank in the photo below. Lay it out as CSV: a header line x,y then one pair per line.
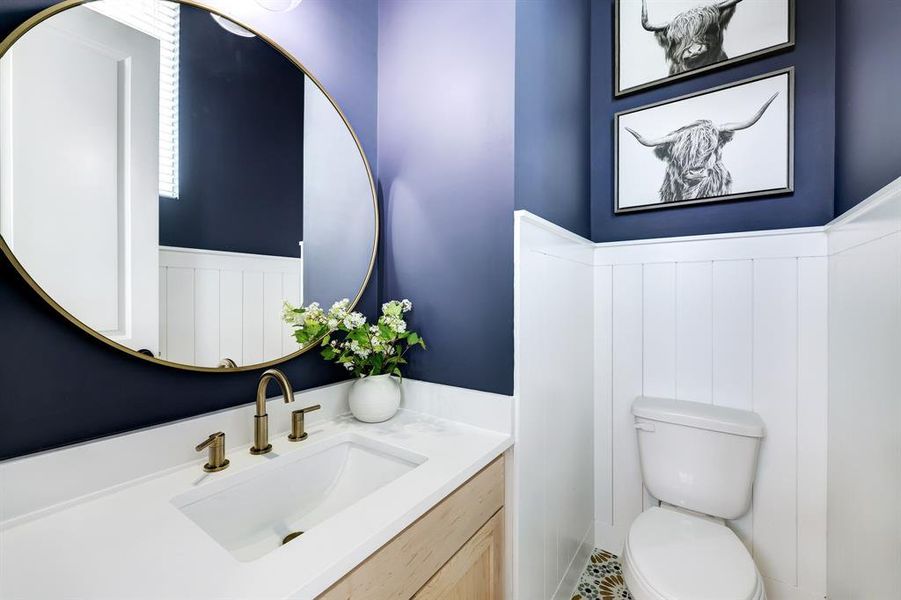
x,y
698,456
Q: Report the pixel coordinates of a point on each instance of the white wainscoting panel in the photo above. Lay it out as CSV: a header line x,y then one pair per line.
x,y
737,320
864,479
216,305
553,473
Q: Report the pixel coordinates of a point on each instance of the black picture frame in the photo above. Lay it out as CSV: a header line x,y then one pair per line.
x,y
619,91
770,191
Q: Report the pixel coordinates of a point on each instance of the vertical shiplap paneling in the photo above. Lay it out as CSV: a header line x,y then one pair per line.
x,y
291,286
554,480
813,361
550,451
531,431
864,446
694,379
659,329
231,316
573,483
775,382
658,337
732,337
603,394
732,333
180,315
273,333
206,317
732,362
729,325
627,384
252,320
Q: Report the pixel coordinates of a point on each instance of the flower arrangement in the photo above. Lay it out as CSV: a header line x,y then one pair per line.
x,y
349,340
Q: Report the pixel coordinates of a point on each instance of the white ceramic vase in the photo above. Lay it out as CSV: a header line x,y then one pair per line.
x,y
375,398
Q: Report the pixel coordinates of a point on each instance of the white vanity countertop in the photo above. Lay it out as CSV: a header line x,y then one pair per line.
x,y
133,542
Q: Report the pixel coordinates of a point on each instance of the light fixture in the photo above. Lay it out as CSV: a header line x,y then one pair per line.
x,y
231,26
279,5
270,5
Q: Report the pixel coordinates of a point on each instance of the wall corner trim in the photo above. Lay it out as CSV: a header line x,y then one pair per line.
x,y
528,217
876,217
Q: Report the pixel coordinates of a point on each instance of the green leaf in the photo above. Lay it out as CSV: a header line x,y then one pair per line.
x,y
413,338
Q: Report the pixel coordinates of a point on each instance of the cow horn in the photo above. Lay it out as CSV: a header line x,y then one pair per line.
x,y
651,143
644,19
726,127
727,4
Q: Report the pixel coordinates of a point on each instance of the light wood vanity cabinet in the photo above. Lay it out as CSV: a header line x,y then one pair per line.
x,y
453,552
475,571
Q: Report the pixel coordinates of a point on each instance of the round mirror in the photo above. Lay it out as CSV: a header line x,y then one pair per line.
x,y
167,182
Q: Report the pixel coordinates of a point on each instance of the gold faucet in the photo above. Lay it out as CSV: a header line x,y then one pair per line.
x,y
216,444
261,443
297,423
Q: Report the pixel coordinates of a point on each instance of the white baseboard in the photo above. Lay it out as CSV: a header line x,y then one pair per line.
x,y
776,590
610,537
576,566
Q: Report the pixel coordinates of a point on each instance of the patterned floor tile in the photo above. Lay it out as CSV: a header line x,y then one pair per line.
x,y
602,579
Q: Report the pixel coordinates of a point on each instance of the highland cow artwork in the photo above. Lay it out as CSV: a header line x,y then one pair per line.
x,y
658,41
727,143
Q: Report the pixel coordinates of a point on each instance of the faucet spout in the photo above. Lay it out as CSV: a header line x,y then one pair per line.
x,y
283,383
261,443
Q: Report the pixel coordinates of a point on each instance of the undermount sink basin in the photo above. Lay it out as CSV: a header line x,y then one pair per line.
x,y
252,513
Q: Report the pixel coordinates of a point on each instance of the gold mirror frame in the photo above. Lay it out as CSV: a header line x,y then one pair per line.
x,y
45,14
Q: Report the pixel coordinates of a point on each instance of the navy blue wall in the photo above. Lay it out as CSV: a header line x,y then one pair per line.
x,y
812,201
868,117
446,99
75,388
552,119
240,106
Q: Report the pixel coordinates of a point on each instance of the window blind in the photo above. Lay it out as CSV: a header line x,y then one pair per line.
x,y
161,20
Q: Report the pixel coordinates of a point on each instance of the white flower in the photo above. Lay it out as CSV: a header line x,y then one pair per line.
x,y
374,329
396,324
339,309
349,366
406,305
354,320
288,315
333,323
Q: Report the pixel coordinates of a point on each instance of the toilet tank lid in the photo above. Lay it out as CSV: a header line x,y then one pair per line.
x,y
699,415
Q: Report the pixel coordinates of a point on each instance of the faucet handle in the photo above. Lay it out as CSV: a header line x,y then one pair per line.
x,y
216,444
297,423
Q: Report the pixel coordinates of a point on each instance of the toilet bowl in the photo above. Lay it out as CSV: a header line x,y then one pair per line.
x,y
700,461
673,555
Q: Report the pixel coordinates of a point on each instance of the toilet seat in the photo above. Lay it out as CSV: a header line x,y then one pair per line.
x,y
672,555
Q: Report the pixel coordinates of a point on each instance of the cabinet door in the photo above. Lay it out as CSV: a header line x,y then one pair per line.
x,y
475,571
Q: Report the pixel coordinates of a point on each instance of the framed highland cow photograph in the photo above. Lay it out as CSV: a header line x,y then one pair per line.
x,y
660,41
727,143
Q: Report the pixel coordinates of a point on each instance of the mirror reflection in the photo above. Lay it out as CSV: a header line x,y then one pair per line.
x,y
169,182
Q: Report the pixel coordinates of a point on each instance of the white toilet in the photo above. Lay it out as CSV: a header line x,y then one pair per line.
x,y
700,461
